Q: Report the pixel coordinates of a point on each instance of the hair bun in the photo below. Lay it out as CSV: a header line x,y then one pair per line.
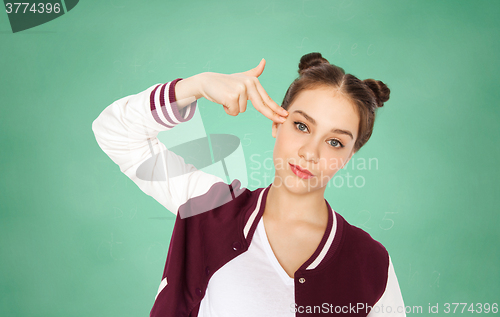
x,y
380,90
310,60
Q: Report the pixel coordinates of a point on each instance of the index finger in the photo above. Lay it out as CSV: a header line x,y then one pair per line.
x,y
261,105
269,102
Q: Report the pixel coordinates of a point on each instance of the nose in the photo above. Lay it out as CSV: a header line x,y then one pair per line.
x,y
309,152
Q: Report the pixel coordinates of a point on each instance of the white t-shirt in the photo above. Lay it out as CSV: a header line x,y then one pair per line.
x,y
252,284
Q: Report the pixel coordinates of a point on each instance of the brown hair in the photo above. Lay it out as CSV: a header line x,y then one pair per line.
x,y
367,95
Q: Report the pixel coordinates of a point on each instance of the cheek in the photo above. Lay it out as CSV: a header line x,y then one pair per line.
x,y
284,141
331,165
280,156
283,150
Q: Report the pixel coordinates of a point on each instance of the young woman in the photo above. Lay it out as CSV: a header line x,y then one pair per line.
x,y
274,251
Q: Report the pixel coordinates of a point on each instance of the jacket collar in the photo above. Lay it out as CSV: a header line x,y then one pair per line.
x,y
325,249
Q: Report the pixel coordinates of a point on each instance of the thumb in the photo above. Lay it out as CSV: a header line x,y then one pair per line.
x,y
257,71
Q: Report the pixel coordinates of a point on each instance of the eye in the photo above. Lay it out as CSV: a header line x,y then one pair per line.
x,y
336,143
300,126
303,128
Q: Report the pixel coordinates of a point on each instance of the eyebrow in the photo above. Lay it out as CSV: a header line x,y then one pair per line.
x,y
314,123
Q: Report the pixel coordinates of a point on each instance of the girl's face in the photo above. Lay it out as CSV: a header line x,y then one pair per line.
x,y
318,136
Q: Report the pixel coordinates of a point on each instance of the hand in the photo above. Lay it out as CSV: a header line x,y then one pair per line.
x,y
233,90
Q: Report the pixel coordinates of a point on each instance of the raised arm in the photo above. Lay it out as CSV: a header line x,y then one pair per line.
x,y
127,130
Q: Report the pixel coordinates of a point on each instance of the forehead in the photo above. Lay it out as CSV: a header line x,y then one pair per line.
x,y
328,107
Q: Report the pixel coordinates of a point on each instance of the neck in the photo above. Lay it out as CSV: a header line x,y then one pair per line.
x,y
284,205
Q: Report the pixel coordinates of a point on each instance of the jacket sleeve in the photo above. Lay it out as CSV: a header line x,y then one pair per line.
x,y
391,303
127,132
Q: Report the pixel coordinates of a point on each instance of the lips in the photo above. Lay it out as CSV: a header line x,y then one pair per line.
x,y
301,172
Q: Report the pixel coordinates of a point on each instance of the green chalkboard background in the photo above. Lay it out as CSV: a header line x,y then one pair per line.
x,y
78,238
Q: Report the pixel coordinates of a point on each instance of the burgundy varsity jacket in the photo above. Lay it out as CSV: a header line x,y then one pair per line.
x,y
353,271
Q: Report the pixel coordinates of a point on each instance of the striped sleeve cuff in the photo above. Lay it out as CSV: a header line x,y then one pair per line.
x,y
164,106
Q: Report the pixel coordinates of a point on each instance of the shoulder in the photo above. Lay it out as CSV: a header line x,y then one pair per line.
x,y
222,201
220,215
362,246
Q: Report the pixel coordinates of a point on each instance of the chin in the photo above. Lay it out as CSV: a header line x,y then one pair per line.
x,y
296,185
